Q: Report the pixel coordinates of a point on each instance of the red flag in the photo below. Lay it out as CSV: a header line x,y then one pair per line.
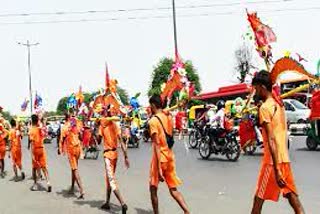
x,y
107,77
263,33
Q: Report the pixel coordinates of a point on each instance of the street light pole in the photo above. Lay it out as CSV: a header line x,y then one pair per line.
x,y
28,45
175,28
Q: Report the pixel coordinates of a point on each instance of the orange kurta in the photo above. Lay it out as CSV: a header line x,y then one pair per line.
x,y
15,140
167,158
3,135
70,134
39,159
267,188
110,132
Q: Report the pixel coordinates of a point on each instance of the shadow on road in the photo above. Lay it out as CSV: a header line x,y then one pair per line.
x,y
114,209
143,211
218,159
66,194
13,179
256,154
39,188
306,150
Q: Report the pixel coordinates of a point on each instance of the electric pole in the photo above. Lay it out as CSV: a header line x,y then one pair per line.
x,y
29,45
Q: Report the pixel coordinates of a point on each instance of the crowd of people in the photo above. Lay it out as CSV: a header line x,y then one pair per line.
x,y
275,175
162,165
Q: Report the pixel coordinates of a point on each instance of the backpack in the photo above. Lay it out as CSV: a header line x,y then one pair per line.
x,y
169,138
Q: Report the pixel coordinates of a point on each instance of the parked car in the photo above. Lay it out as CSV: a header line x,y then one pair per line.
x,y
304,98
299,129
296,112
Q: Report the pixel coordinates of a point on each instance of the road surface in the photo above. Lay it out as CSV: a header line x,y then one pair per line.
x,y
213,186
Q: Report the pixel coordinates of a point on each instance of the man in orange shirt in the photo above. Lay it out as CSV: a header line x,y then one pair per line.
x,y
36,138
3,135
15,137
276,174
163,161
70,140
111,133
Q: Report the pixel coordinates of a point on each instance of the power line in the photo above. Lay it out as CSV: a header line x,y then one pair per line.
x,y
157,17
140,9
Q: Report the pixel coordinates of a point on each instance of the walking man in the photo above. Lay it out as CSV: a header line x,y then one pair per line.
x,y
15,137
38,153
163,162
70,140
275,175
111,134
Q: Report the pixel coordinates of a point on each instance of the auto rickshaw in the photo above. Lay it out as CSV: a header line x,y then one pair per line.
x,y
313,139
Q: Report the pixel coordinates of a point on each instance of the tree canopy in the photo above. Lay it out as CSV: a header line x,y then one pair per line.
x,y
161,73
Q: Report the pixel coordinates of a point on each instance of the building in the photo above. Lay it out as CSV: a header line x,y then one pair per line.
x,y
225,93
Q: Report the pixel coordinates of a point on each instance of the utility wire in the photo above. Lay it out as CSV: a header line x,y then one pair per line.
x,y
139,9
159,16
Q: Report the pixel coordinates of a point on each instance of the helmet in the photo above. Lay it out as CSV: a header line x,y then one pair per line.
x,y
221,104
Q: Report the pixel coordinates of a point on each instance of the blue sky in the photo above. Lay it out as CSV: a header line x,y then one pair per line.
x,y
73,54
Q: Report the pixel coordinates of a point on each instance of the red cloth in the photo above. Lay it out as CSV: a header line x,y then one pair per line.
x,y
315,106
86,137
264,35
246,132
179,119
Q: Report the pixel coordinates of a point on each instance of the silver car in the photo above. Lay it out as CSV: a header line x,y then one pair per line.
x,y
296,112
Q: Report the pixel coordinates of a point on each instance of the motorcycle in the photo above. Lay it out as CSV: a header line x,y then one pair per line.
x,y
51,132
195,135
134,138
145,132
219,142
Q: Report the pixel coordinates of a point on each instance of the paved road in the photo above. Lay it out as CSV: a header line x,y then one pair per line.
x,y
214,186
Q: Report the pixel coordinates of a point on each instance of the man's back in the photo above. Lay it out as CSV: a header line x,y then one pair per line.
x,y
36,137
156,127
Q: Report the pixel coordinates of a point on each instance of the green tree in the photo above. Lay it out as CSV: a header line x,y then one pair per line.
x,y
6,115
161,73
62,105
123,94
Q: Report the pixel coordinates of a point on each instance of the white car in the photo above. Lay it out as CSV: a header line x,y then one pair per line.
x,y
296,112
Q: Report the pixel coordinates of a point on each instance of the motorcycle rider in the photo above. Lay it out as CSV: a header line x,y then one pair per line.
x,y
204,118
219,118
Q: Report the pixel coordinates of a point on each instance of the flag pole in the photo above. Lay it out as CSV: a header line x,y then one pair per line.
x,y
175,28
